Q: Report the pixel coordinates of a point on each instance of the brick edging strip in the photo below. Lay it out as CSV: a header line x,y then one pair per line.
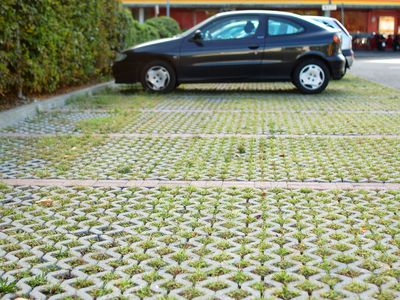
x,y
20,113
201,184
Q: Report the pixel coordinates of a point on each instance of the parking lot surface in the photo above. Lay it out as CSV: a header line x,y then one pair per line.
x,y
272,194
381,67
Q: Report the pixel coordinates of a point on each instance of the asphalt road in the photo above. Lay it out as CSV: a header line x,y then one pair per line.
x,y
381,67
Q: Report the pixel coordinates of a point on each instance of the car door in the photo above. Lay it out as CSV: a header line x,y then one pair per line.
x,y
284,42
229,48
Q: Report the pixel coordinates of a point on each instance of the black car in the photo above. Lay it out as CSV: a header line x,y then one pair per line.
x,y
239,46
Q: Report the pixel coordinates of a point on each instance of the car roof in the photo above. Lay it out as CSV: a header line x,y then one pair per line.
x,y
321,17
266,12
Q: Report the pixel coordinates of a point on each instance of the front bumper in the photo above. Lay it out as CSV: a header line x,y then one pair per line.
x,y
337,65
349,55
125,72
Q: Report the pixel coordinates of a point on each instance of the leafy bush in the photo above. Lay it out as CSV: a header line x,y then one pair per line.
x,y
165,26
143,33
46,44
133,33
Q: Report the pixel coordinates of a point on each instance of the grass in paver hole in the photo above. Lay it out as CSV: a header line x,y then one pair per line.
x,y
234,242
7,286
271,159
261,122
110,124
55,153
338,111
116,102
300,159
351,93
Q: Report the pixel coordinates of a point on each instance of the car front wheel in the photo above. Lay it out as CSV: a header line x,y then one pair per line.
x,y
158,76
311,76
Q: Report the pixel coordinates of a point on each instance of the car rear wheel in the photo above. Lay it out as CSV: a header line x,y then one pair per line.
x,y
311,76
158,76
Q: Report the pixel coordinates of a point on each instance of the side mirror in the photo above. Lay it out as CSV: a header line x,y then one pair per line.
x,y
197,36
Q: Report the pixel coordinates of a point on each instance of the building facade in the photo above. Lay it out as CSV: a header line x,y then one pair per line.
x,y
359,16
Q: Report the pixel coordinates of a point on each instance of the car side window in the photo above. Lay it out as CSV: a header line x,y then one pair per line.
x,y
280,26
238,27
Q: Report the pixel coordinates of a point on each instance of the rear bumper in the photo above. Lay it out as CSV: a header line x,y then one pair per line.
x,y
349,55
337,65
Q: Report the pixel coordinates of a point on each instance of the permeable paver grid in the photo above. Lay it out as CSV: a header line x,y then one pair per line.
x,y
193,242
225,191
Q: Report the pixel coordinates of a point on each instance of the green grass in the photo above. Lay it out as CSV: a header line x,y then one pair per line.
x,y
7,287
112,100
109,124
329,159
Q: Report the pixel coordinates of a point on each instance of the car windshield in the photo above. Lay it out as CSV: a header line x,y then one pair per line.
x,y
196,27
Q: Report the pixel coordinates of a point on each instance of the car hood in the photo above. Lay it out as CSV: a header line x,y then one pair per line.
x,y
152,44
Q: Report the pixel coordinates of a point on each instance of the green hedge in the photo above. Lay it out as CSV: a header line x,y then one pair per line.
x,y
47,44
141,33
165,26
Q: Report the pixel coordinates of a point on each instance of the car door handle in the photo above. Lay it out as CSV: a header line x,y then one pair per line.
x,y
254,46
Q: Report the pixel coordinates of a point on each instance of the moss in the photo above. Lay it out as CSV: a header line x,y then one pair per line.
x,y
191,293
333,295
285,293
238,294
216,285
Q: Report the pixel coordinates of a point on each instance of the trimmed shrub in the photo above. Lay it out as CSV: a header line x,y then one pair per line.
x,y
165,26
46,44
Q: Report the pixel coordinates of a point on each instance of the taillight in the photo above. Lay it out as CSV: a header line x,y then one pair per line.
x,y
336,39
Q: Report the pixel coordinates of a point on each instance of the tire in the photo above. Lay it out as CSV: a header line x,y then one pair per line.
x,y
311,76
159,77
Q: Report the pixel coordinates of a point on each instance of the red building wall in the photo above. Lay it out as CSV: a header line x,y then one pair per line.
x,y
355,20
373,19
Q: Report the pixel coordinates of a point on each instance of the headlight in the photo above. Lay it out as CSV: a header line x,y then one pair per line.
x,y
120,57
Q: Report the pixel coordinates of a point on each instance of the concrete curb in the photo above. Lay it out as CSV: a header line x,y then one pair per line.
x,y
14,115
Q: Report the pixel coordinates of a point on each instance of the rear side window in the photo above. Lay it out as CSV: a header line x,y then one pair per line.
x,y
280,26
342,27
327,24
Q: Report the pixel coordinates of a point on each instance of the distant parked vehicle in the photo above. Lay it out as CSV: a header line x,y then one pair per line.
x,y
239,46
380,42
362,40
347,46
396,43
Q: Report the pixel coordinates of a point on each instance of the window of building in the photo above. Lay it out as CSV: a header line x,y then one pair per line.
x,y
386,25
